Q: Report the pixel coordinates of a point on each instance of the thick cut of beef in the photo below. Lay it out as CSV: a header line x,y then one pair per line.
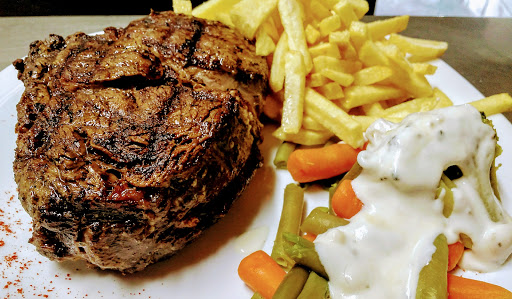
x,y
134,141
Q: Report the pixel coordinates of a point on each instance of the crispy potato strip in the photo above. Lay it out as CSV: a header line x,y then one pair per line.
x,y
332,74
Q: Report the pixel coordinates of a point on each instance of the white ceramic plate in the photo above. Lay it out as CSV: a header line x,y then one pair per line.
x,y
208,267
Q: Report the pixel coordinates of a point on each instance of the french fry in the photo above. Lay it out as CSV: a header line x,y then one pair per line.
x,y
305,137
329,25
427,49
289,10
269,26
333,118
312,35
248,15
416,105
319,10
331,91
494,104
294,86
264,43
372,75
424,68
277,72
379,29
346,13
325,49
373,109
360,7
443,100
182,6
358,34
403,73
323,62
343,79
360,95
316,80
371,55
210,9
309,123
340,38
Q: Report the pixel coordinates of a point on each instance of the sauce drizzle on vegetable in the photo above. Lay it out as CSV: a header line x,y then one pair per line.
x,y
381,252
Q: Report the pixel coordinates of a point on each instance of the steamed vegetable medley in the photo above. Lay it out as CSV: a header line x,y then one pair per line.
x,y
420,200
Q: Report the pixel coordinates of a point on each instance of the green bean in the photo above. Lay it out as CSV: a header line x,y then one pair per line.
x,y
303,253
353,172
292,284
497,151
446,184
291,217
432,281
332,189
466,240
489,193
257,296
316,287
319,221
283,152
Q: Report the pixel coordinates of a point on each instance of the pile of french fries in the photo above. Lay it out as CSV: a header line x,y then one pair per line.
x,y
332,74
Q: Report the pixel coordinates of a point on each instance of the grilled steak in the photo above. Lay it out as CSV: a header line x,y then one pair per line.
x,y
134,141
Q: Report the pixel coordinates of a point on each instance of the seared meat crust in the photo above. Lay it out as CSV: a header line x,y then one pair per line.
x,y
132,142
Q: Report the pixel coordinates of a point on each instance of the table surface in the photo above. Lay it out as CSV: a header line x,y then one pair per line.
x,y
480,49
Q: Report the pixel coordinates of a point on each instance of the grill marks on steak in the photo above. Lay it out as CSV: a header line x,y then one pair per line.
x,y
132,142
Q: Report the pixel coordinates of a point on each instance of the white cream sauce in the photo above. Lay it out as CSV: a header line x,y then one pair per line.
x,y
380,253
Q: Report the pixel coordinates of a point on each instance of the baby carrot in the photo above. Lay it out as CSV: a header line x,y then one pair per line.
x,y
344,201
308,165
261,273
465,288
309,237
455,252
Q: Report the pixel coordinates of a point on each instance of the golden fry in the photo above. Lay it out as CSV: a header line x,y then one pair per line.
x,y
358,34
182,6
343,79
372,75
360,95
248,15
379,29
312,35
290,13
325,49
212,8
316,80
346,13
333,118
277,72
294,86
264,43
424,68
428,49
331,91
360,7
412,106
329,24
304,137
494,104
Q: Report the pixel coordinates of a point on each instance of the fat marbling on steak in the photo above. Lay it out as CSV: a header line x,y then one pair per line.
x,y
132,142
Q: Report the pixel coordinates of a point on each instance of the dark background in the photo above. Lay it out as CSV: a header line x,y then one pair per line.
x,y
90,7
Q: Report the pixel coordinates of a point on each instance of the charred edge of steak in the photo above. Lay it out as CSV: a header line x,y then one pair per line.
x,y
195,221
132,142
